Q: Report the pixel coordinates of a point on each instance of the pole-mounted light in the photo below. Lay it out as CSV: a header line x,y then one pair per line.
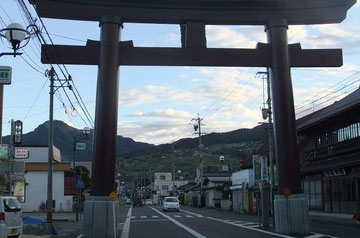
x,y
15,34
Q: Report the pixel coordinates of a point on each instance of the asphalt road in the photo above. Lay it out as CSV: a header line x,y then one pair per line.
x,y
151,221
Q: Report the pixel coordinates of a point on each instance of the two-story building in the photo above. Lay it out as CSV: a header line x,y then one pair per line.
x,y
329,146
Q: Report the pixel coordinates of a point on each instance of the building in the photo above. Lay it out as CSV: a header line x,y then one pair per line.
x,y
329,146
36,173
164,186
216,189
242,182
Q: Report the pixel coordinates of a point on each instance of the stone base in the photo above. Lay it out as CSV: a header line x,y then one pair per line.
x,y
291,214
100,217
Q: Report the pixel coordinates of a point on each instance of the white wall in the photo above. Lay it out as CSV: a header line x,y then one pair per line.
x,y
40,155
243,176
36,192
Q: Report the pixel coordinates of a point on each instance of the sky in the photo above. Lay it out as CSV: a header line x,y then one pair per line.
x,y
157,104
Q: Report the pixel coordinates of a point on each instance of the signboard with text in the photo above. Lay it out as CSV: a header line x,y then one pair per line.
x,y
5,74
260,168
80,146
21,153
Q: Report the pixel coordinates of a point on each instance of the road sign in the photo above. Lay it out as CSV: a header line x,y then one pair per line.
x,y
80,146
113,196
21,153
4,151
80,184
5,74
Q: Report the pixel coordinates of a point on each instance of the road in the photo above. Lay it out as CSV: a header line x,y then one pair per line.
x,y
151,221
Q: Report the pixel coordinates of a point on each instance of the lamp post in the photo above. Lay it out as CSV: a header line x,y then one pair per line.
x,y
85,132
14,33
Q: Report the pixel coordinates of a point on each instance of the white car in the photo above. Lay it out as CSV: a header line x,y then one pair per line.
x,y
148,202
171,204
11,224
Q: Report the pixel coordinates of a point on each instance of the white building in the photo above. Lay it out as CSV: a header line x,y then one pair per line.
x,y
163,185
36,174
241,181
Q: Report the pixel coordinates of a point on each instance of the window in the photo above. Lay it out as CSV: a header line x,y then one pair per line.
x,y
162,177
165,187
11,205
313,190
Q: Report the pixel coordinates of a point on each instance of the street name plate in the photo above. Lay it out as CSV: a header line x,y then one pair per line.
x,y
4,151
5,74
80,146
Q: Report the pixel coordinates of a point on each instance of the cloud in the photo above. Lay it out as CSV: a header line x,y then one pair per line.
x,y
224,36
168,113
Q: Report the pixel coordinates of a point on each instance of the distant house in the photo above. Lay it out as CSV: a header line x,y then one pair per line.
x,y
36,174
216,189
329,145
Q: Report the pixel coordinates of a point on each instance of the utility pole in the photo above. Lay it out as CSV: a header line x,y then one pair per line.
x,y
49,207
197,128
268,114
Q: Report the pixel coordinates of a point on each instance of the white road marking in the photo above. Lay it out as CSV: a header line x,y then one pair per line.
x,y
245,227
247,223
251,228
149,220
197,215
177,216
316,235
188,229
143,217
155,216
125,232
80,236
132,217
189,216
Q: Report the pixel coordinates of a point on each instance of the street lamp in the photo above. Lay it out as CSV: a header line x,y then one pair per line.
x,y
85,132
15,33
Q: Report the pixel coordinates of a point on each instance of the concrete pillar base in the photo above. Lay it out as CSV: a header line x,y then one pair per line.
x,y
292,214
100,217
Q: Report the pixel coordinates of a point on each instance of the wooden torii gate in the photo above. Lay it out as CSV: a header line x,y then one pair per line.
x,y
109,53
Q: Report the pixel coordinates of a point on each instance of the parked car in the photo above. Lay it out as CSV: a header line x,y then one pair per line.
x,y
148,202
137,202
171,204
11,224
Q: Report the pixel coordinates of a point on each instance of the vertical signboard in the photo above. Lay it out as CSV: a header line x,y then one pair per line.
x,y
257,168
261,169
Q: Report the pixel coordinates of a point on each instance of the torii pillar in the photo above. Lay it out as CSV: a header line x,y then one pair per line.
x,y
291,207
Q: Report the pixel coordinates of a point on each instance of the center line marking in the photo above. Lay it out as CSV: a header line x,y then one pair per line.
x,y
188,229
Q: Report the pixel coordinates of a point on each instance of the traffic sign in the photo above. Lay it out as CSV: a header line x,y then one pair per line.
x,y
80,146
5,74
80,184
21,153
113,196
4,151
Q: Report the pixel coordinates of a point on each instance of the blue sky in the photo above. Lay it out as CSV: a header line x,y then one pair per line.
x,y
156,104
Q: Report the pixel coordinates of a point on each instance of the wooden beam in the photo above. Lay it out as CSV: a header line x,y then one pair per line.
x,y
224,12
156,56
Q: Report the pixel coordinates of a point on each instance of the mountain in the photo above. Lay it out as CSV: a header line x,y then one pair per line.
x,y
64,138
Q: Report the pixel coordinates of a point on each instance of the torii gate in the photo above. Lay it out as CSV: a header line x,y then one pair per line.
x,y
110,53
